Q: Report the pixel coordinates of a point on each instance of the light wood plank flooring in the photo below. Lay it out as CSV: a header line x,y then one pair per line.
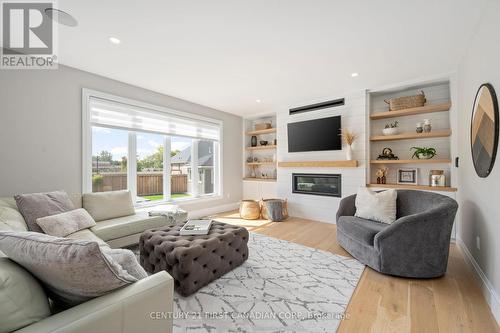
x,y
383,303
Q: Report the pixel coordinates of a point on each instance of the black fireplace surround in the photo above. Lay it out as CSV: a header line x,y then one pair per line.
x,y
317,184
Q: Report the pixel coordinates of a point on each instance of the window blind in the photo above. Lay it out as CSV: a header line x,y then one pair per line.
x,y
108,113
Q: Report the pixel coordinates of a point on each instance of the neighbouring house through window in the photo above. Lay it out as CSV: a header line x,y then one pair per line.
x,y
149,150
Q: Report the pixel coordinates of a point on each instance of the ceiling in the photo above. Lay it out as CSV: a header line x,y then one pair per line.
x,y
228,54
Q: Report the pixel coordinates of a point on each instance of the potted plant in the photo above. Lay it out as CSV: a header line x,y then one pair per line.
x,y
423,153
348,137
391,128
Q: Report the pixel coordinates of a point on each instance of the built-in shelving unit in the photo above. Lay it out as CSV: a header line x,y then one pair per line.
x,y
413,161
415,187
412,135
437,110
260,160
412,111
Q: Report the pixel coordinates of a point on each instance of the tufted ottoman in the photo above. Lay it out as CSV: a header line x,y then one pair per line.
x,y
193,261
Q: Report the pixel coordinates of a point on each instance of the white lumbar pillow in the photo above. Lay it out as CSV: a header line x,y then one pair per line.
x,y
380,207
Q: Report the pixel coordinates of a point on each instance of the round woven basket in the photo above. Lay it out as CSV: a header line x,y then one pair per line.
x,y
279,206
249,209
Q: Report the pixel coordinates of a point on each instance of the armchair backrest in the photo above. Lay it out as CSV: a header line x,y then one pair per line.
x,y
413,202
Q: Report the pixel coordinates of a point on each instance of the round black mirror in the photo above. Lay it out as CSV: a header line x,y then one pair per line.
x,y
484,130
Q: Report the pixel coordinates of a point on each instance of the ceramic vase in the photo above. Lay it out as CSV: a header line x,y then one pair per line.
x,y
348,153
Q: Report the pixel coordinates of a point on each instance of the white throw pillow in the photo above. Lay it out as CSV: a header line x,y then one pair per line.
x,y
64,224
380,207
108,205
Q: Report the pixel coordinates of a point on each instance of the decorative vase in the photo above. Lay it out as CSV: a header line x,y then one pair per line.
x,y
348,153
427,126
253,141
419,129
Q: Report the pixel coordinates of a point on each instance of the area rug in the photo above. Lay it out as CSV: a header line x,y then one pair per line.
x,y
282,287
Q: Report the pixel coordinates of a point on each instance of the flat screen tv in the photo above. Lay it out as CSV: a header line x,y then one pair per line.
x,y
314,135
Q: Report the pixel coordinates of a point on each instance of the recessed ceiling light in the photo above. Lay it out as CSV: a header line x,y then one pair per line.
x,y
258,100
114,40
61,17
354,74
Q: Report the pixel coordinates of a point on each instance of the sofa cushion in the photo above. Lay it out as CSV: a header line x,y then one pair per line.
x,y
360,229
35,205
108,205
23,301
87,235
11,219
72,271
127,225
63,224
377,206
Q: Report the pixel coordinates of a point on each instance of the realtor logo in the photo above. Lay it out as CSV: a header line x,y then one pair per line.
x,y
27,36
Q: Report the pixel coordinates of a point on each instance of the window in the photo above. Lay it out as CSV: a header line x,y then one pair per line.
x,y
148,150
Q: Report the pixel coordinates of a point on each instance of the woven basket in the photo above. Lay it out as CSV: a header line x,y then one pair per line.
x,y
262,126
265,212
249,209
406,102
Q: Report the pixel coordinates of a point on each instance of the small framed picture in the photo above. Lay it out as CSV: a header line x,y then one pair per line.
x,y
407,176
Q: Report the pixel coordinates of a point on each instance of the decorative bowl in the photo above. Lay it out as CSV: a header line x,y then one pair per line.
x,y
263,142
390,131
424,156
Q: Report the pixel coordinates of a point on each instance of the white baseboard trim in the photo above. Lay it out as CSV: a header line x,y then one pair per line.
x,y
487,288
195,214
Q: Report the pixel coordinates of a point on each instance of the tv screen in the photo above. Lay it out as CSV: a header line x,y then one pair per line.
x,y
314,135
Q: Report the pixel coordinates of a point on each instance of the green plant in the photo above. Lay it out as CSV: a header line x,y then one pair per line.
x,y
97,179
423,151
394,124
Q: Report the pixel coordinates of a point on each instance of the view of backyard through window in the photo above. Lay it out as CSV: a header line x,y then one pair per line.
x,y
110,149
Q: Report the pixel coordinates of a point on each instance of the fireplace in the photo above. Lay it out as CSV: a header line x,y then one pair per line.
x,y
317,184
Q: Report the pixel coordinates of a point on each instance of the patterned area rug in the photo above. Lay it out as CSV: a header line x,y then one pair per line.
x,y
282,287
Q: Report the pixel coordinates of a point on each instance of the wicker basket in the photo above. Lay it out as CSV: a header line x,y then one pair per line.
x,y
265,213
249,209
262,126
406,102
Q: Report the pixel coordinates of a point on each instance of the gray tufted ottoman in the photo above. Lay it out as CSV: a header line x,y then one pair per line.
x,y
193,261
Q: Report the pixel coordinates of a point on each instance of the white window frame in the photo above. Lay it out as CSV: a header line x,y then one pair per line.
x,y
87,94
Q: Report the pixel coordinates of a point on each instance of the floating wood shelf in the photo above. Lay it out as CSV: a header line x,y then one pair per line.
x,y
319,164
413,161
261,147
412,135
415,187
266,131
260,163
408,112
260,179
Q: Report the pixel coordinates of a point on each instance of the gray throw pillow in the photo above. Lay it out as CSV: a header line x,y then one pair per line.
x,y
35,205
72,271
23,301
63,224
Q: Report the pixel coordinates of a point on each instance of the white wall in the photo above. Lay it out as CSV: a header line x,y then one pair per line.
x,y
479,198
322,208
40,130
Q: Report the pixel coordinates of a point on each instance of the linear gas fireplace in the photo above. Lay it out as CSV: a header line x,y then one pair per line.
x,y
317,184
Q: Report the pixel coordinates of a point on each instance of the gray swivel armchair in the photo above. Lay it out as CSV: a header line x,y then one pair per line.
x,y
416,245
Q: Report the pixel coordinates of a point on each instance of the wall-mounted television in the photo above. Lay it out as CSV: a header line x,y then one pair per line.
x,y
314,135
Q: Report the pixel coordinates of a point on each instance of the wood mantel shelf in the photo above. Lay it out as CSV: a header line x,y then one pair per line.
x,y
319,164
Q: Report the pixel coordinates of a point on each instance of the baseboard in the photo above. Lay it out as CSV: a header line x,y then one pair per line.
x,y
212,210
487,288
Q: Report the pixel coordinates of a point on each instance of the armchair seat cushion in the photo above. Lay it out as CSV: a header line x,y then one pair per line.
x,y
360,229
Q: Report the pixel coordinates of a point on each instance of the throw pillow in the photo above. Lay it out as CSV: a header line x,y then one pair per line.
x,y
72,271
376,206
36,205
63,224
108,205
23,301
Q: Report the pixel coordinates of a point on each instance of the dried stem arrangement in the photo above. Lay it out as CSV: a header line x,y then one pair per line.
x,y
348,137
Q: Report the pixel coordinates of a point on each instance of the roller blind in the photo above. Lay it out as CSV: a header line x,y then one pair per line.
x,y
108,113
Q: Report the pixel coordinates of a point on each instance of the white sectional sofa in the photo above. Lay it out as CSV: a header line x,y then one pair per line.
x,y
130,309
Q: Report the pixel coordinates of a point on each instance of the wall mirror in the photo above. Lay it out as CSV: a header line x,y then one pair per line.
x,y
484,130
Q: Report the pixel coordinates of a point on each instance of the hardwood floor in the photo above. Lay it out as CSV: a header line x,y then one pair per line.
x,y
383,303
